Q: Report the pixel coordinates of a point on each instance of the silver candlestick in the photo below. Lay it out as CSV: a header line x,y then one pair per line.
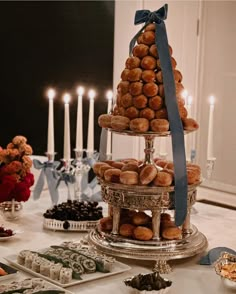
x,y
210,167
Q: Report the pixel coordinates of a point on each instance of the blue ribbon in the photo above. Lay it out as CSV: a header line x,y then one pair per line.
x,y
47,169
176,127
67,177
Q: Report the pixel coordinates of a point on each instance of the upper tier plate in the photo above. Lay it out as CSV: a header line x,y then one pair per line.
x,y
146,134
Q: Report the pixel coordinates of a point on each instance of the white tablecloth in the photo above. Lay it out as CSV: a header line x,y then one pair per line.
x,y
217,224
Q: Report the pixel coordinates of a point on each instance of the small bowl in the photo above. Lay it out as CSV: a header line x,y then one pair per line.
x,y
222,268
151,283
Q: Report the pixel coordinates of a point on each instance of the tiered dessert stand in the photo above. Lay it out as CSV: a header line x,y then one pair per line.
x,y
156,200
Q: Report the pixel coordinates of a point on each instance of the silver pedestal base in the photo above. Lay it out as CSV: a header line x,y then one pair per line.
x,y
158,251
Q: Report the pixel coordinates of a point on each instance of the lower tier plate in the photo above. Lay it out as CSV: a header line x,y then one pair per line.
x,y
192,244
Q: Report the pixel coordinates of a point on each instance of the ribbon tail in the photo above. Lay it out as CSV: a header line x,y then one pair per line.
x,y
39,186
93,183
176,127
133,41
52,185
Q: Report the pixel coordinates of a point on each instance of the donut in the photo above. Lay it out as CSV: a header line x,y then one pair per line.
x,y
180,101
136,88
132,112
108,161
163,179
142,233
155,102
159,125
169,165
171,233
126,230
177,76
148,76
120,123
106,223
131,166
104,120
140,39
129,177
179,88
124,74
183,113
150,27
102,170
165,217
140,101
132,62
148,37
134,74
118,99
140,50
140,218
123,87
147,174
189,124
162,113
150,89
153,51
193,166
112,175
97,166
147,113
193,176
117,164
139,125
148,62
126,100
160,162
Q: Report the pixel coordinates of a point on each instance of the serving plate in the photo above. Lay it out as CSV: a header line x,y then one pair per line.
x,y
117,268
76,226
11,272
2,239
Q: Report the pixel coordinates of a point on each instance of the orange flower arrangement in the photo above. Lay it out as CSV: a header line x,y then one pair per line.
x,y
15,176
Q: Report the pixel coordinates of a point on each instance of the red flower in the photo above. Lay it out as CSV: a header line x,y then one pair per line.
x,y
21,192
7,184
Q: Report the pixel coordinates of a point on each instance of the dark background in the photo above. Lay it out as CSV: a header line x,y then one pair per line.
x,y
53,44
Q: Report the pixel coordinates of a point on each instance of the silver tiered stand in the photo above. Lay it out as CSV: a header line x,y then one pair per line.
x,y
157,200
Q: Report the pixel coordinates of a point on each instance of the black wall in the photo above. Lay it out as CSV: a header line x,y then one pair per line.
x,y
57,44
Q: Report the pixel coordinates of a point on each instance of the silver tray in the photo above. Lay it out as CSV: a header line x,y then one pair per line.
x,y
76,226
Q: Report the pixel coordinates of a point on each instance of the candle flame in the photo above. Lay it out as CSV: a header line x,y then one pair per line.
x,y
66,98
80,91
189,100
91,94
212,100
51,93
109,95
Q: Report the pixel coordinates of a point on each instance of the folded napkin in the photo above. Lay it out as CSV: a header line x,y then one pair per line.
x,y
214,254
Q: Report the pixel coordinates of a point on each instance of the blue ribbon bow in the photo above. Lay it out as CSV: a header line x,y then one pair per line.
x,y
47,169
176,127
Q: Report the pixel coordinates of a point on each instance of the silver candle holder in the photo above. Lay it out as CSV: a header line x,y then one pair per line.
x,y
210,167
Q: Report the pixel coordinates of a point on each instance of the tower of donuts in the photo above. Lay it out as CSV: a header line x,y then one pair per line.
x,y
140,193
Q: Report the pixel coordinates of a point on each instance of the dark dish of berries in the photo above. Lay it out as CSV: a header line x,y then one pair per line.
x,y
5,232
75,211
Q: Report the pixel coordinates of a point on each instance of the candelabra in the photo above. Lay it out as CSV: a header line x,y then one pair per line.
x,y
210,167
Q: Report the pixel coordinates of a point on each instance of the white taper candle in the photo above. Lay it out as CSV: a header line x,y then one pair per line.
x,y
79,122
210,154
50,146
90,139
66,99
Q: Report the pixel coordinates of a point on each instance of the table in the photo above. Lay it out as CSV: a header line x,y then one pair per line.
x,y
216,223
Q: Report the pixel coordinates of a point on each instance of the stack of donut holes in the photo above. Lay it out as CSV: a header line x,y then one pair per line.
x,y
132,172
140,101
138,225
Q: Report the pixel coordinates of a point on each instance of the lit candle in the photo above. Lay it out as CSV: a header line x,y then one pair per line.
x,y
66,99
188,137
109,108
90,140
210,155
50,148
79,126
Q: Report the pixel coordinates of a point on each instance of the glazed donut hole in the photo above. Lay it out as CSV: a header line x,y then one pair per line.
x,y
140,50
183,113
150,89
159,125
189,124
126,100
135,74
148,76
148,62
153,51
132,112
179,88
140,39
132,62
148,37
139,125
162,113
150,27
159,77
136,88
123,87
147,113
118,110
177,76
124,74
161,90
155,102
140,101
